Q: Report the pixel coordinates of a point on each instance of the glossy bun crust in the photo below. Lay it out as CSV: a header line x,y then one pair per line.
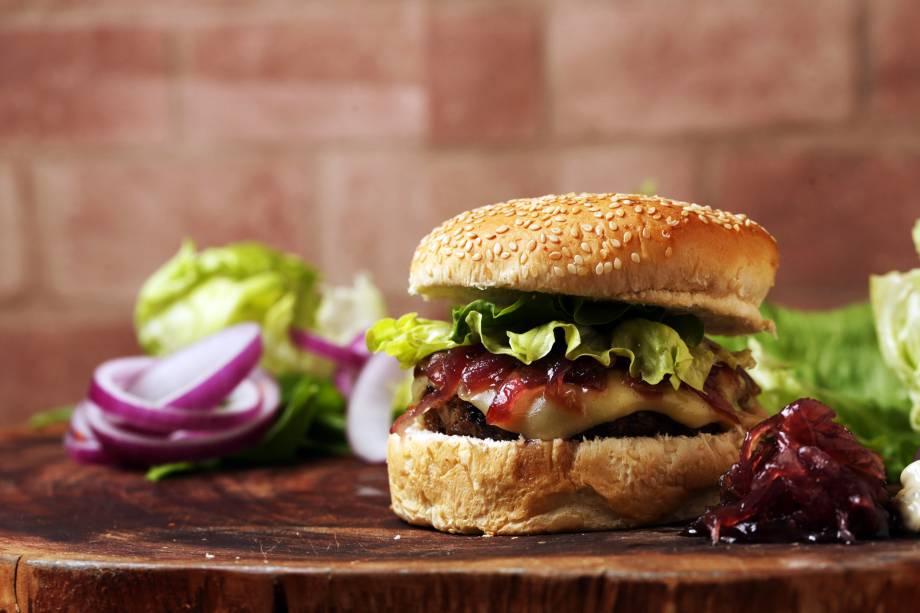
x,y
469,485
625,247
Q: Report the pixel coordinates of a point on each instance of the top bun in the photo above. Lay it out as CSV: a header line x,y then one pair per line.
x,y
626,247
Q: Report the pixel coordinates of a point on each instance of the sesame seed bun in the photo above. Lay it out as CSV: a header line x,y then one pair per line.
x,y
469,485
625,247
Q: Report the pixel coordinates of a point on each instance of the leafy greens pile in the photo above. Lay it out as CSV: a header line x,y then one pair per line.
x,y
197,293
862,360
659,345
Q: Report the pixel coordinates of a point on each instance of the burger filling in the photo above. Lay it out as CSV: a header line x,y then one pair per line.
x,y
588,370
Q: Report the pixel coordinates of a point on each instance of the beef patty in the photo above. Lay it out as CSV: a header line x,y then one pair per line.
x,y
461,418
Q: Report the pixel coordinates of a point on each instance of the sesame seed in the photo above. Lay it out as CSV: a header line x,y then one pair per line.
x,y
621,213
506,255
627,236
501,229
626,201
557,270
635,257
651,210
579,260
617,263
555,230
497,248
665,234
599,269
555,255
608,266
616,244
586,227
613,225
571,268
574,232
523,257
460,254
585,247
703,219
535,226
553,239
477,257
646,233
531,245
490,237
638,209
542,238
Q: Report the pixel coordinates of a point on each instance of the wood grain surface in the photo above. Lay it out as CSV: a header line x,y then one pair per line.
x,y
320,537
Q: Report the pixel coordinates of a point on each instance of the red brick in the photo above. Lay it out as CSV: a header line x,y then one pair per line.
x,y
285,112
462,181
659,66
11,236
485,73
895,56
838,216
87,83
110,224
344,45
329,74
54,359
669,172
374,212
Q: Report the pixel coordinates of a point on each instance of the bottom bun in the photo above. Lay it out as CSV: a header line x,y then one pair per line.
x,y
482,486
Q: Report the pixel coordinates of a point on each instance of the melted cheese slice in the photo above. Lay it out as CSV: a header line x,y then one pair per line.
x,y
541,418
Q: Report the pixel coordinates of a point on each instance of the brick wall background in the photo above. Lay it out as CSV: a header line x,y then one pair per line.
x,y
316,126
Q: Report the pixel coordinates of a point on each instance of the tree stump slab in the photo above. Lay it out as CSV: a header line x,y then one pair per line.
x,y
320,536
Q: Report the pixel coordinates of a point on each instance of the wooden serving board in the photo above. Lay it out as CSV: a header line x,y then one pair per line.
x,y
321,537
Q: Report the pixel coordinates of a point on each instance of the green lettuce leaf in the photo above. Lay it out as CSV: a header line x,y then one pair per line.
x,y
896,304
197,293
834,356
529,328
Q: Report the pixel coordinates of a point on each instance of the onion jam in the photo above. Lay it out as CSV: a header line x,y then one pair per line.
x,y
801,477
554,377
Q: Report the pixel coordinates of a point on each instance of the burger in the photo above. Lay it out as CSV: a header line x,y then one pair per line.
x,y
573,387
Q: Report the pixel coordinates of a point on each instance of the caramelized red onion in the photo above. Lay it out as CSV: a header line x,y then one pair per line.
x,y
800,477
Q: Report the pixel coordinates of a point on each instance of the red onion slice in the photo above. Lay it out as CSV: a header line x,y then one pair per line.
x,y
203,374
182,445
370,410
346,356
80,443
112,379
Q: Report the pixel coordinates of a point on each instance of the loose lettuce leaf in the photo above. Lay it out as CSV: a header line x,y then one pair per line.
x,y
531,327
50,417
896,304
312,421
834,356
199,293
